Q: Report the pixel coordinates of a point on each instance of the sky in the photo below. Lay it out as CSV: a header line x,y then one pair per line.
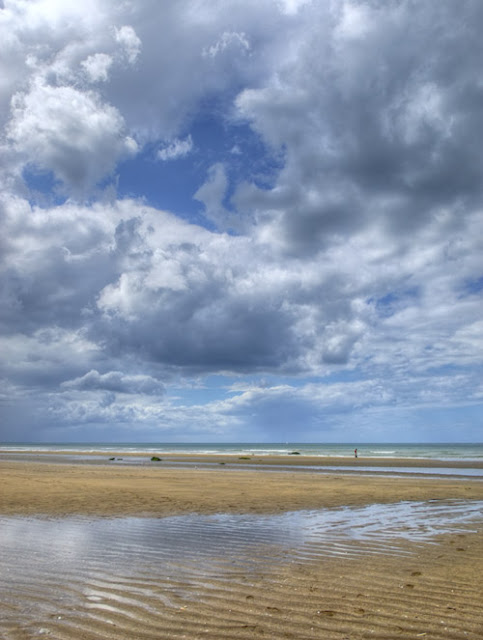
x,y
241,221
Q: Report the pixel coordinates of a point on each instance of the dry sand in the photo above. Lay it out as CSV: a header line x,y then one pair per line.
x,y
30,488
434,591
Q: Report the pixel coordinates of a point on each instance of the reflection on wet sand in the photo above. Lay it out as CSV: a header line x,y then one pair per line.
x,y
334,572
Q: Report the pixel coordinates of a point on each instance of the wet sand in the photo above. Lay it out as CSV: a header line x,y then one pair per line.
x,y
288,460
430,590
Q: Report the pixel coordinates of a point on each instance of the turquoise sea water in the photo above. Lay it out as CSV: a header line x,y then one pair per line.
x,y
440,451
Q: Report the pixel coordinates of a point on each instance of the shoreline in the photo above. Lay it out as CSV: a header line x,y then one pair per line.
x,y
289,460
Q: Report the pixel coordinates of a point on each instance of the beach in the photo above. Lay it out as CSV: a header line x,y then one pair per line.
x,y
96,486
239,564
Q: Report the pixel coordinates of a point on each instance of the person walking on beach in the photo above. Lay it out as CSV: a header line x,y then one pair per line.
x,y
355,453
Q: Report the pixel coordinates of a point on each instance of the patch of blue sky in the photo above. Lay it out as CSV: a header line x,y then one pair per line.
x,y
43,188
393,301
473,286
168,185
449,369
171,183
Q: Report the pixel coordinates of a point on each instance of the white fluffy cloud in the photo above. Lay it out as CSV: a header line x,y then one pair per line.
x,y
176,149
227,39
342,240
128,39
97,67
69,132
115,381
56,53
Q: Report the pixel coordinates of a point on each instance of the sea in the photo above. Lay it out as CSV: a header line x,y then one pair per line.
x,y
421,451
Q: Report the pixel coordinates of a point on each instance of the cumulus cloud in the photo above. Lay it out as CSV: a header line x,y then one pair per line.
x,y
44,357
127,37
176,149
53,51
97,67
115,381
381,133
228,38
354,258
69,132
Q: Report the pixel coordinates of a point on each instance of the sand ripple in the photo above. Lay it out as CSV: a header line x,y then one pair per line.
x,y
408,570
